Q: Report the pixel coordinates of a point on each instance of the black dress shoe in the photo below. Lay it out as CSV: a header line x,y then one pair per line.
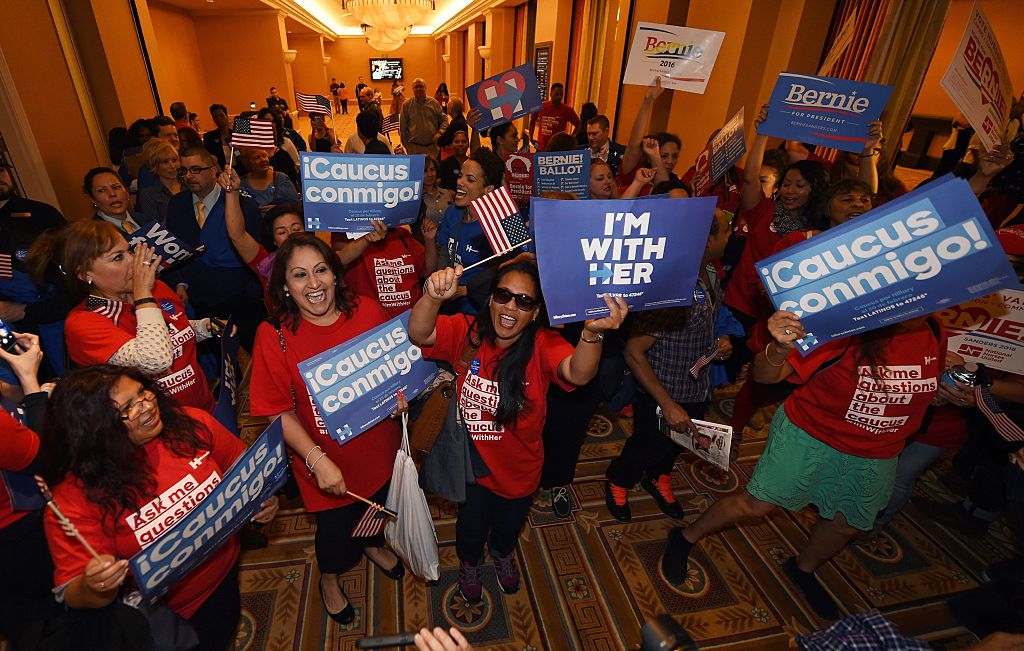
x,y
346,614
619,512
395,573
671,509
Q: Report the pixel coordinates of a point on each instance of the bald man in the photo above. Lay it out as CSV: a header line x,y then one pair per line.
x,y
423,121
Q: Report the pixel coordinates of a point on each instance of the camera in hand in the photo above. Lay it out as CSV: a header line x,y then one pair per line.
x,y
7,340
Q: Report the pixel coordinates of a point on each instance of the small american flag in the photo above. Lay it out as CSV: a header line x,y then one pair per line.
x,y
6,266
105,307
703,361
313,103
390,124
500,220
372,523
250,132
989,406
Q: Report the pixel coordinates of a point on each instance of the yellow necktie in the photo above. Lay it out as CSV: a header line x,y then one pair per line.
x,y
200,213
127,226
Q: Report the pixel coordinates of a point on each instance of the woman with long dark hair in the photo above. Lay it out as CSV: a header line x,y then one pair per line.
x,y
313,311
830,443
117,447
501,401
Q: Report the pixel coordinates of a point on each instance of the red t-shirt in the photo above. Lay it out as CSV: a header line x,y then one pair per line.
x,y
181,485
625,178
18,447
728,193
947,428
744,291
261,265
390,271
847,409
552,119
365,461
95,334
514,453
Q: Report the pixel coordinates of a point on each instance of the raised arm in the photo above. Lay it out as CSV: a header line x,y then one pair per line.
x,y
631,157
439,287
770,365
751,193
581,367
244,243
869,157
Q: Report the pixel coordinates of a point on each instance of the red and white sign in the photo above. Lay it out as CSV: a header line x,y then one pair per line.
x,y
989,330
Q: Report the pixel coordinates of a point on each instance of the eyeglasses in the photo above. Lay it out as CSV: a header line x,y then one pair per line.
x,y
133,409
195,170
524,302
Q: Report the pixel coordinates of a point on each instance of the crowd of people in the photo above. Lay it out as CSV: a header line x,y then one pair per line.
x,y
127,429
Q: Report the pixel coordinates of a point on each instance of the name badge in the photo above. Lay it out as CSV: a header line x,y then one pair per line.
x,y
699,296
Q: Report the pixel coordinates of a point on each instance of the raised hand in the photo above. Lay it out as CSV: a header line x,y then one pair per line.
x,y
443,283
785,328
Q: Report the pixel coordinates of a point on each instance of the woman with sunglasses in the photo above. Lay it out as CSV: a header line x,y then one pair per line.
x,y
126,317
127,462
501,401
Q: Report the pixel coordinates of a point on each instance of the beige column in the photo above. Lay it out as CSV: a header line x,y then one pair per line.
x,y
501,35
454,62
474,40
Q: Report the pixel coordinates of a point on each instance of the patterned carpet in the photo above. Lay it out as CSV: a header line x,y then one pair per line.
x,y
590,581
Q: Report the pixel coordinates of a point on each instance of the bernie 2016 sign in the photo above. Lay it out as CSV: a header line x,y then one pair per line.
x,y
343,192
252,479
647,251
928,250
354,384
824,111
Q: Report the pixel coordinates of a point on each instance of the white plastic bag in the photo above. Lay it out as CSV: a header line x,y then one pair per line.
x,y
412,534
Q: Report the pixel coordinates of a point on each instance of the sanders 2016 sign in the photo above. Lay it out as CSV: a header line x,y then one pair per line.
x,y
824,111
682,56
930,249
648,251
251,480
989,330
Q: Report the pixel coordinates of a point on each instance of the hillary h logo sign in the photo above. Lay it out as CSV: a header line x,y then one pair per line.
x,y
506,96
928,250
823,110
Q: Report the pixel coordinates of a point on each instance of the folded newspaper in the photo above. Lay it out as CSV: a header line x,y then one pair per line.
x,y
712,442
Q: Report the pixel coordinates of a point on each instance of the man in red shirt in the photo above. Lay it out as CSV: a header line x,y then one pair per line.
x,y
553,117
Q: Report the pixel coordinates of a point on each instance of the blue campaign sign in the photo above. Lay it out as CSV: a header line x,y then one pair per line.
x,y
252,479
343,192
226,411
563,171
170,248
930,249
823,110
506,96
648,251
354,384
727,147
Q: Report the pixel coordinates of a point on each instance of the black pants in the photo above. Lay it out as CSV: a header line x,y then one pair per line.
x,y
216,621
26,574
488,517
336,550
982,461
565,429
344,107
648,451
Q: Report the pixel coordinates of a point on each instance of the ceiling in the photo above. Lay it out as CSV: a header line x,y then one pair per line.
x,y
328,13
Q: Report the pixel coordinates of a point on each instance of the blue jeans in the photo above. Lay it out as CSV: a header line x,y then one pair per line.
x,y
914,460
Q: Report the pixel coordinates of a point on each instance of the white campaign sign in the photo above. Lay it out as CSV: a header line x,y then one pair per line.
x,y
989,330
977,80
682,56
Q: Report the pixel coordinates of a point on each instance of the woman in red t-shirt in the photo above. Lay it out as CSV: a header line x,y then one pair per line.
x,y
313,312
128,318
501,400
127,463
834,443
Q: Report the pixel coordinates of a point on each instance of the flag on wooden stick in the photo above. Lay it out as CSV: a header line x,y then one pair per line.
x,y
500,220
250,132
313,103
390,124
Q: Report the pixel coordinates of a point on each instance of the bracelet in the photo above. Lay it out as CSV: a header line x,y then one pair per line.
x,y
600,338
144,301
768,358
874,152
306,460
322,455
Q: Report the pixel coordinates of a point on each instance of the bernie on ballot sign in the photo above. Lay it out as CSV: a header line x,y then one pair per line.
x,y
354,384
928,250
343,192
647,251
234,499
563,171
823,110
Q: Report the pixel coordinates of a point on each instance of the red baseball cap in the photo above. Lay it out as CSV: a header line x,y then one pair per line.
x,y
1012,239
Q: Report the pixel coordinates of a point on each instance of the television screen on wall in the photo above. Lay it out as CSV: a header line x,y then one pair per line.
x,y
381,69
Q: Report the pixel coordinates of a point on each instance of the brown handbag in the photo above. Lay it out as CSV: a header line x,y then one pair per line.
x,y
424,430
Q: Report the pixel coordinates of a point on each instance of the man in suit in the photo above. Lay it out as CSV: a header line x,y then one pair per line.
x,y
601,146
218,141
217,283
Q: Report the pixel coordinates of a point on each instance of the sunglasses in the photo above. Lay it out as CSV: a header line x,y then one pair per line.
x,y
524,302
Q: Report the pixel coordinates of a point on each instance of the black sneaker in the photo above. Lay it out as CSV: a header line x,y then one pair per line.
x,y
676,558
619,511
816,596
661,491
561,501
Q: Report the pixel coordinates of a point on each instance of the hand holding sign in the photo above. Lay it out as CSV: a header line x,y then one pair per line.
x,y
785,328
995,161
617,314
104,574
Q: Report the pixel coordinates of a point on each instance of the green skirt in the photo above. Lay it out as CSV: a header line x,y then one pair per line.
x,y
797,469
